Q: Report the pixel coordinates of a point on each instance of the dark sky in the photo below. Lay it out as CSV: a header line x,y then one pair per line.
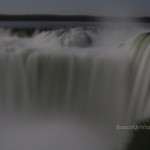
x,y
89,7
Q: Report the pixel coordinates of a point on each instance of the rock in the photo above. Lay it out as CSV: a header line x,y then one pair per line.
x,y
76,38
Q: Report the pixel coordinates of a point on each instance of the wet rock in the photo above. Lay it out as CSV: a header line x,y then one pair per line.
x,y
76,38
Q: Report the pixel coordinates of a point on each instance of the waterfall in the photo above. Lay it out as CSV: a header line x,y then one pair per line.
x,y
72,73
140,74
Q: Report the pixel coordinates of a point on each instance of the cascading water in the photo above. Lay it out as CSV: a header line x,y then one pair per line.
x,y
71,72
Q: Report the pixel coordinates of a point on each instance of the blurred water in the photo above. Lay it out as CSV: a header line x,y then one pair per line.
x,y
68,88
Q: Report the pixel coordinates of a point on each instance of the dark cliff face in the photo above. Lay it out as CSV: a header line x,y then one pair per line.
x,y
140,139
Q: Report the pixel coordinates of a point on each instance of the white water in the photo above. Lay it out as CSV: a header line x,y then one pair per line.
x,y
49,74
